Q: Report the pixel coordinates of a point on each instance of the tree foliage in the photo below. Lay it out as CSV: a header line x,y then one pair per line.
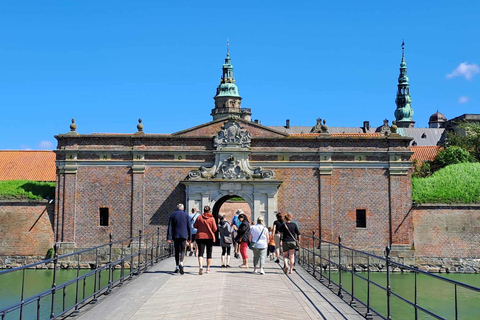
x,y
467,136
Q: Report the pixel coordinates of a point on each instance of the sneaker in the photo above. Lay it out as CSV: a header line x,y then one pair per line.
x,y
237,256
277,261
227,266
180,267
208,270
191,253
285,269
200,271
223,266
176,271
262,272
255,270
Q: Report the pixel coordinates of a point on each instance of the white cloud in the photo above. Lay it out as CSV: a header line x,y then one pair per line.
x,y
45,145
25,147
463,99
465,70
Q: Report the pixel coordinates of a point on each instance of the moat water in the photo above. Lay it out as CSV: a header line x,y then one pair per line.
x,y
435,295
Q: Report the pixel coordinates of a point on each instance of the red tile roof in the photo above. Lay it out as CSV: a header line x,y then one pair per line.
x,y
424,153
343,135
27,165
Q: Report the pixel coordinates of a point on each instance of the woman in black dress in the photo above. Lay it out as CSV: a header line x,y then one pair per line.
x,y
290,241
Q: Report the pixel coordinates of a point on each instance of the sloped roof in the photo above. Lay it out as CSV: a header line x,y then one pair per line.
x,y
424,153
27,165
423,136
343,135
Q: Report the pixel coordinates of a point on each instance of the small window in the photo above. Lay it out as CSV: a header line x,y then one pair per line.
x,y
361,218
104,217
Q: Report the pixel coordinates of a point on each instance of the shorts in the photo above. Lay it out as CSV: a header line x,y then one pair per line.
x,y
277,240
271,249
192,237
289,245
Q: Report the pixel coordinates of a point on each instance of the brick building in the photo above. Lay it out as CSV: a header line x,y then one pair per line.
x,y
357,184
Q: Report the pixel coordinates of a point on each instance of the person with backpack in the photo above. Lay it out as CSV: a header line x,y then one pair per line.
x,y
226,240
192,218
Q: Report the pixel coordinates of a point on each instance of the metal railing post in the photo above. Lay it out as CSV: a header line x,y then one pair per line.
x,y
330,266
416,309
368,315
76,285
139,250
340,267
313,250
321,264
387,259
22,295
158,242
54,281
110,276
94,300
352,302
308,256
122,267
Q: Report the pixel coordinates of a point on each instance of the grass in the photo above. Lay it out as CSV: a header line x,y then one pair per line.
x,y
24,189
457,183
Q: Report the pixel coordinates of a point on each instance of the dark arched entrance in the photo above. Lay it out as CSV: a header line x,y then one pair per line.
x,y
216,211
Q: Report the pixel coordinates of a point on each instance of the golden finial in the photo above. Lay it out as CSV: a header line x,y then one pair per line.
x,y
228,47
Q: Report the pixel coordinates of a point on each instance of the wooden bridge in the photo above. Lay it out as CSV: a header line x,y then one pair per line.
x,y
233,293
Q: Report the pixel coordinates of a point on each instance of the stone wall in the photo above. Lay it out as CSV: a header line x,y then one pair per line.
x,y
447,231
26,231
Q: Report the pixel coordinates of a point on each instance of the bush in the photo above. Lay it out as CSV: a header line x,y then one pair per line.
x,y
24,189
451,155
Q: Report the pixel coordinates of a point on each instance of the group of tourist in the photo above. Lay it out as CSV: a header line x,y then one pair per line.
x,y
282,236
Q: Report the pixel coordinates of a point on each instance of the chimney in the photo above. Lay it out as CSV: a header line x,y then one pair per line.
x,y
366,126
287,124
256,121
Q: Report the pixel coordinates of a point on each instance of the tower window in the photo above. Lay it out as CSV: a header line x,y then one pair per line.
x,y
361,218
104,217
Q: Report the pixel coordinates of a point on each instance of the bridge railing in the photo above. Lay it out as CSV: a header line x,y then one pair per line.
x,y
348,272
132,256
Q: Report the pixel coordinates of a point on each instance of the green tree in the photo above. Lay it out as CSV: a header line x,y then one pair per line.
x,y
467,136
451,155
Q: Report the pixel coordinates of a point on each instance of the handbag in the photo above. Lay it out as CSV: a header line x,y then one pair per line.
x,y
227,239
253,244
296,241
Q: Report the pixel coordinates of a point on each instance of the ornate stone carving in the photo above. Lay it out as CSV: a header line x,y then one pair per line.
x,y
319,127
385,130
231,158
232,134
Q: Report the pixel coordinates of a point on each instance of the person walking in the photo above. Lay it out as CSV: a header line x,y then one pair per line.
x,y
179,231
235,224
276,231
193,217
226,240
290,241
259,236
206,228
242,238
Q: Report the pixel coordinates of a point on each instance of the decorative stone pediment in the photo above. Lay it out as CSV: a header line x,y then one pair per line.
x,y
232,145
232,135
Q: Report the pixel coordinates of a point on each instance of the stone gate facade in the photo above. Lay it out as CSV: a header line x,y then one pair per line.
x,y
357,186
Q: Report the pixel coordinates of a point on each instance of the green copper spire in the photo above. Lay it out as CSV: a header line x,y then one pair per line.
x,y
228,100
404,111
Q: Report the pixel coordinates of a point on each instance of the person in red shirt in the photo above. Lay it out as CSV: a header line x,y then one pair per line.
x,y
206,228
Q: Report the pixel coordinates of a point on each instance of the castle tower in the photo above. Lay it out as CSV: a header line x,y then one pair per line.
x,y
404,112
228,100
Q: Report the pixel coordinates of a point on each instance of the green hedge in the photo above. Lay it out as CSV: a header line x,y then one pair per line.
x,y
24,189
457,183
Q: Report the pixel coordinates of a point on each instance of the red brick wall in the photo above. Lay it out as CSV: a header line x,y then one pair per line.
x,y
442,231
26,228
352,189
298,194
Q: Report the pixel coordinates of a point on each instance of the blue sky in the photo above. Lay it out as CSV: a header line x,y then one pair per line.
x,y
108,63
